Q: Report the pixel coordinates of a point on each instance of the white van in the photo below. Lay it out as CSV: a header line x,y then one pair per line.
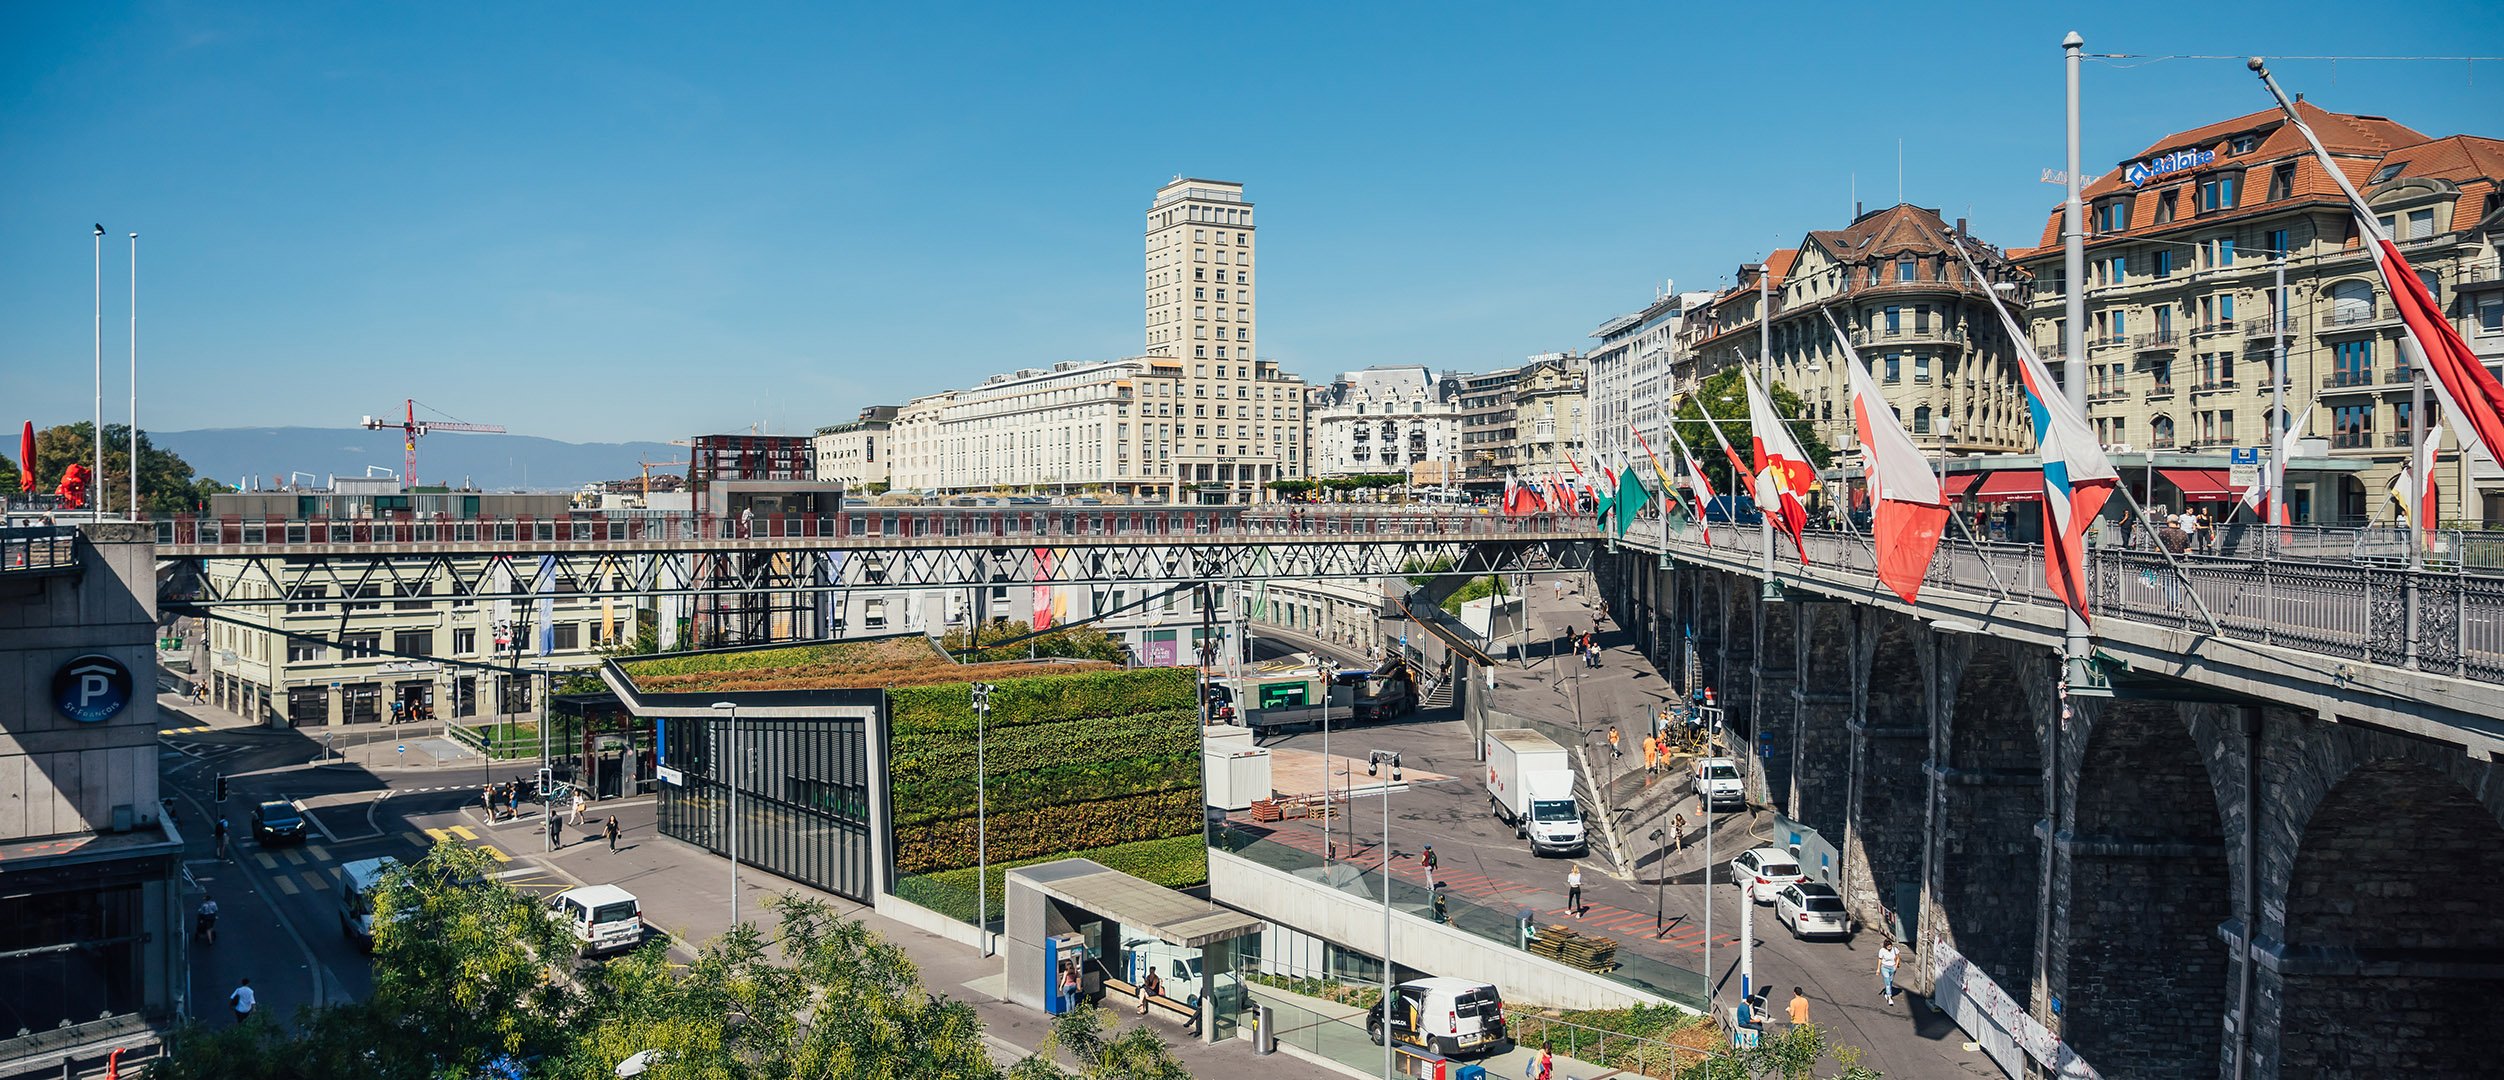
x,y
602,918
1719,784
358,881
1451,1017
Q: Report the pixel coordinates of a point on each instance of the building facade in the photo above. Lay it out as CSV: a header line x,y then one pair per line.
x,y
1387,420
2183,317
1488,418
1550,429
1247,424
857,454
1634,375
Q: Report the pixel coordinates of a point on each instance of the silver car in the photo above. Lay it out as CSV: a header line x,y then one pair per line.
x,y
1812,910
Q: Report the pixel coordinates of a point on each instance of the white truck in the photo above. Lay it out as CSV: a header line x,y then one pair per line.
x,y
1532,784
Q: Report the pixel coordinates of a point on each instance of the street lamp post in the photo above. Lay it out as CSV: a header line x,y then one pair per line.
x,y
730,775
1330,846
1373,762
982,820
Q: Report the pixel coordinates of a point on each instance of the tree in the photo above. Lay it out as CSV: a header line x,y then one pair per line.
x,y
1792,1055
1075,642
1724,399
167,484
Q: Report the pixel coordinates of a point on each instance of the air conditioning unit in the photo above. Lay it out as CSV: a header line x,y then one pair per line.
x,y
2118,448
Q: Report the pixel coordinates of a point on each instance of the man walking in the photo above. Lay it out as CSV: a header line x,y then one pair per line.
x,y
1799,1008
1613,750
1427,860
243,1000
1573,890
611,830
556,827
1886,970
221,839
487,795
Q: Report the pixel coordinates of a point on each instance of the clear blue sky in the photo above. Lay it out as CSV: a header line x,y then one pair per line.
x,y
600,222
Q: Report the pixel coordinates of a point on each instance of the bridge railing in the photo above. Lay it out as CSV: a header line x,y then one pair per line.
x,y
2446,619
38,549
931,526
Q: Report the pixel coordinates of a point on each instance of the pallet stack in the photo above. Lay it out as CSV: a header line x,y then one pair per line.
x,y
1589,952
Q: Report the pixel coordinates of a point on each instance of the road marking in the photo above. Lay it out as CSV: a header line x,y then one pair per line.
x,y
441,836
314,880
294,857
499,855
320,854
462,831
267,863
287,885
516,872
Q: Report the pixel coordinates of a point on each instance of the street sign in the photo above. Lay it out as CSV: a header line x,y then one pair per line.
x,y
404,748
671,776
2244,466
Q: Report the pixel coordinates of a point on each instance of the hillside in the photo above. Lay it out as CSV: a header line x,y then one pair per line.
x,y
491,462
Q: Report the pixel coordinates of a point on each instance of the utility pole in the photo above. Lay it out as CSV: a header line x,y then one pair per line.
x,y
2273,438
730,775
1765,374
982,818
95,486
134,381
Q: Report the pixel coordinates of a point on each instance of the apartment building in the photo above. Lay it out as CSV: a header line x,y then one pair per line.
x,y
1551,397
347,653
1634,376
1202,321
857,454
1488,419
1895,284
1400,419
2182,313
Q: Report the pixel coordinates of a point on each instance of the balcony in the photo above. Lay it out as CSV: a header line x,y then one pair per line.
x,y
2401,375
2163,391
1915,335
2214,326
2161,442
2352,440
2165,340
2357,316
2211,386
2402,437
2107,341
2348,379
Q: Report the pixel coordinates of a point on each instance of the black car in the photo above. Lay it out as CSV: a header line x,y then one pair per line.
x,y
277,823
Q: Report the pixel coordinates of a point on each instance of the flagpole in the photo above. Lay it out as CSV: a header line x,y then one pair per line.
x,y
134,377
95,486
2416,452
2074,310
1765,366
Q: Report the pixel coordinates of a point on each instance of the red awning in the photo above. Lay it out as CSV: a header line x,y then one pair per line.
x,y
2013,485
2202,485
1955,485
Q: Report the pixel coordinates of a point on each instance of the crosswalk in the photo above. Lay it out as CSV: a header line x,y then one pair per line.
x,y
310,867
186,730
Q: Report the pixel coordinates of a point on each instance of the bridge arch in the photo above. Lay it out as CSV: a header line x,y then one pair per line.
x,y
2141,971
1989,860
1890,743
2394,945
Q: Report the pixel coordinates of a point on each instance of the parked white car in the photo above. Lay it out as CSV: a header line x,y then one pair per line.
x,y
1812,910
1762,872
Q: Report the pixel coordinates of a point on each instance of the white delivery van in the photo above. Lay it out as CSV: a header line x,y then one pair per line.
x,y
358,881
602,918
1531,782
1451,1017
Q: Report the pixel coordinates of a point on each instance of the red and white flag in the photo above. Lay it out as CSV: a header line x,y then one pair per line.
x,y
1781,469
1907,512
2473,400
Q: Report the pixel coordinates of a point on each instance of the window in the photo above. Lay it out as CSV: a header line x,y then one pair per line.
x,y
2387,172
299,652
2117,270
2282,183
2162,264
1921,420
2352,426
2221,251
2491,314
1921,367
2277,240
568,636
2420,225
2112,216
2243,144
2160,432
413,642
2401,427
2166,204
360,646
2220,192
2352,363
1904,268
1895,367
1895,320
464,642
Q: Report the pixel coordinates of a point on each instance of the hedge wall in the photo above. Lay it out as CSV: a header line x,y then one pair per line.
x,y
1081,762
1178,862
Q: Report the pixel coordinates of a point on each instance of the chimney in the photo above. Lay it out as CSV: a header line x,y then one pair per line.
x,y
1856,209
1960,227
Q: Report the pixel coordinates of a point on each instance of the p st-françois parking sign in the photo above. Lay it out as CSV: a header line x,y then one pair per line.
x,y
91,689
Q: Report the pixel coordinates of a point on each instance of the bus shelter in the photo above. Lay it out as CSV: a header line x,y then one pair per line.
x,y
1076,926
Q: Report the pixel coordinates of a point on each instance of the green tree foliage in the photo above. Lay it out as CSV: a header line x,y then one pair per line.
x,y
1794,1054
1477,588
468,974
167,484
1725,399
1077,642
1293,487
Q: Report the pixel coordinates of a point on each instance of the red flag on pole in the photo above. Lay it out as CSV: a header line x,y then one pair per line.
x,y
26,458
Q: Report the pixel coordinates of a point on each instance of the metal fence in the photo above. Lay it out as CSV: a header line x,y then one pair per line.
x,y
2356,600
41,549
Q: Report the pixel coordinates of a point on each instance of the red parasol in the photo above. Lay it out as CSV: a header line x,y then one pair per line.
x,y
26,458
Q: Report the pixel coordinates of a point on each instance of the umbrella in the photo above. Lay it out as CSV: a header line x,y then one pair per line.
x,y
26,458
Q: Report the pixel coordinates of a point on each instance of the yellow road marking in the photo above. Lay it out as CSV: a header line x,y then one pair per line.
x,y
267,863
491,849
294,857
319,853
314,880
287,885
462,831
442,836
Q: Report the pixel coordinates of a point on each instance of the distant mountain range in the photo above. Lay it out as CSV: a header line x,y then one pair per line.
x,y
491,462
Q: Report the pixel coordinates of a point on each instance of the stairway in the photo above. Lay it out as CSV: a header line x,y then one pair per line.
x,y
1438,695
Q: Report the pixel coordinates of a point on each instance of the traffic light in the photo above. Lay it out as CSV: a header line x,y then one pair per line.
x,y
221,787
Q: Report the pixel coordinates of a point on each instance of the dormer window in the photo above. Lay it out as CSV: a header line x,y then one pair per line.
x,y
2112,216
2243,144
2387,172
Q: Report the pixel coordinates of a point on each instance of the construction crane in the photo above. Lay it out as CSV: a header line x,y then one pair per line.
x,y
411,427
648,466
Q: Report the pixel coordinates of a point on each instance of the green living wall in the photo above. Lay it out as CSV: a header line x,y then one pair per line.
x,y
1102,765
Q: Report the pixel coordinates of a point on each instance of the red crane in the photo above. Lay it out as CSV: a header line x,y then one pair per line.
x,y
411,427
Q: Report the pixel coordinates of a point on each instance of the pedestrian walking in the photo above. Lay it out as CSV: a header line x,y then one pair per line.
x,y
1427,860
487,795
1651,754
1886,970
1573,890
221,838
556,832
611,830
1799,1007
1678,832
1613,749
578,809
243,999
1547,1063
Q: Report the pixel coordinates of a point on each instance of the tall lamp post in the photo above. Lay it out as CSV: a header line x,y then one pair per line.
x,y
1330,846
1374,761
982,818
730,775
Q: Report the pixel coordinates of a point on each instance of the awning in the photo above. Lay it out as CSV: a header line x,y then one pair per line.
x,y
1173,917
2202,485
1955,485
2011,485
